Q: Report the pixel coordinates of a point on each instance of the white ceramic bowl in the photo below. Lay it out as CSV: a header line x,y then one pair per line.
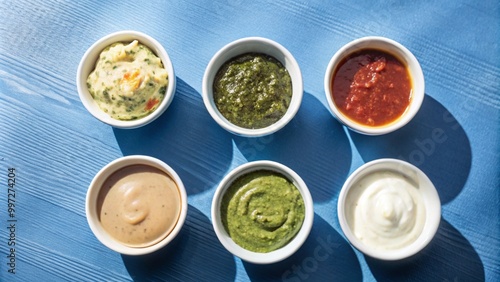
x,y
92,196
87,65
428,194
276,255
253,45
399,51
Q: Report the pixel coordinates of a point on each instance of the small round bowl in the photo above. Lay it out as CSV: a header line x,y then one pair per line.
x,y
93,193
399,51
253,45
276,255
87,65
428,194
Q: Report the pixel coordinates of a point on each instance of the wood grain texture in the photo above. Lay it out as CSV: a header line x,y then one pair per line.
x,y
56,146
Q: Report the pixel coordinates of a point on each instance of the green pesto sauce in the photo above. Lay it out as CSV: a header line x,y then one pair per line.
x,y
262,211
252,90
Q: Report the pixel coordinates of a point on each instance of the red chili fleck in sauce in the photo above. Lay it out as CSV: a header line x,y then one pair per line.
x,y
151,103
372,87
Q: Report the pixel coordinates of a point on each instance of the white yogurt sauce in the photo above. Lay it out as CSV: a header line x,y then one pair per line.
x,y
386,210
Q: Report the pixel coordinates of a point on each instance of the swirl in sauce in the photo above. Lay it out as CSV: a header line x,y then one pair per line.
x,y
139,205
386,210
262,211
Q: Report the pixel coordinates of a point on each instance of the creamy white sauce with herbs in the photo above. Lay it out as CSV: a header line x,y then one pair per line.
x,y
129,81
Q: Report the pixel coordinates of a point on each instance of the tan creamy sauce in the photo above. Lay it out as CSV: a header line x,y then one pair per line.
x,y
139,205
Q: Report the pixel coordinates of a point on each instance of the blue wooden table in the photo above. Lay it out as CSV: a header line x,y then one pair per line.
x,y
52,147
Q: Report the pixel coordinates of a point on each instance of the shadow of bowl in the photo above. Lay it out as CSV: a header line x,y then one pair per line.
x,y
449,257
313,144
193,144
194,253
325,256
433,141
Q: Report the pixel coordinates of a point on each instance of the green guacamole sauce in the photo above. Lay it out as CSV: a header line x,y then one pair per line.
x,y
252,90
262,211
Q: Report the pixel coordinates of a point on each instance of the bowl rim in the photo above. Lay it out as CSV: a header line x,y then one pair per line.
x,y
96,185
87,65
281,253
394,48
248,45
430,199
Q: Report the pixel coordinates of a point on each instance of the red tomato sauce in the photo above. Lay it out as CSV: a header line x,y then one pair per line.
x,y
372,87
